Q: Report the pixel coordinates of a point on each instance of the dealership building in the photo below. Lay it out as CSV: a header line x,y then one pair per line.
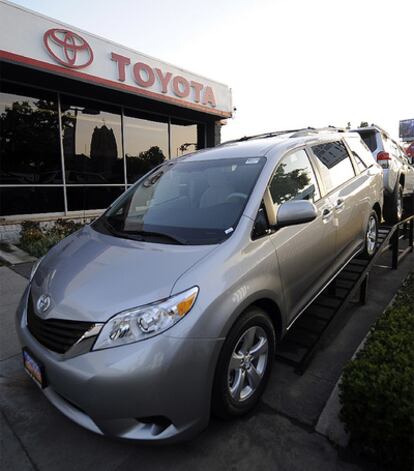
x,y
82,118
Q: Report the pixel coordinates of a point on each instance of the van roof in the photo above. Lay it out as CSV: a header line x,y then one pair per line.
x,y
265,144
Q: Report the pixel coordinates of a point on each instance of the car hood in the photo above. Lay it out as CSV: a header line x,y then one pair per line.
x,y
90,276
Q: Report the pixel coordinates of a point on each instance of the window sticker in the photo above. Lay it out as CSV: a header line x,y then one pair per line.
x,y
251,161
229,230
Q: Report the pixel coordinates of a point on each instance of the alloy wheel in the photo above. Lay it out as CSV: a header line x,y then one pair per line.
x,y
248,363
399,206
371,236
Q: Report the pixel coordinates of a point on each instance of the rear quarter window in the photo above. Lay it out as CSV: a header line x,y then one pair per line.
x,y
334,163
370,139
360,152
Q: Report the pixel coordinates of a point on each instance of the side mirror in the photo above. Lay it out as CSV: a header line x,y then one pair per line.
x,y
295,212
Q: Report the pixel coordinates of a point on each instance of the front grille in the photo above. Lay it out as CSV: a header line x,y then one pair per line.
x,y
55,334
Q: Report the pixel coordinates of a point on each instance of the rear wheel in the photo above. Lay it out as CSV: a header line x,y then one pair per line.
x,y
244,364
371,235
393,206
409,204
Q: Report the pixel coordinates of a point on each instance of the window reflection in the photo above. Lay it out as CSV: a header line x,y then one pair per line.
x,y
31,200
91,142
183,139
85,198
294,179
146,143
29,136
93,149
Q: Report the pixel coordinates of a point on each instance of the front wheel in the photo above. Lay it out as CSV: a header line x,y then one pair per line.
x,y
244,364
371,235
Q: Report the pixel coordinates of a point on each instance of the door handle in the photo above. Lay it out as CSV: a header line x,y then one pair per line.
x,y
340,204
327,214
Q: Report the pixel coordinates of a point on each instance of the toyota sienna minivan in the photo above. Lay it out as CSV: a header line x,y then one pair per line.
x,y
170,306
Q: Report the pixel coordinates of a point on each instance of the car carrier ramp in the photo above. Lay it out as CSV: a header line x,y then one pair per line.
x,y
304,337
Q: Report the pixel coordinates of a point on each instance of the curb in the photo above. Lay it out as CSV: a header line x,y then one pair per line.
x,y
329,425
13,255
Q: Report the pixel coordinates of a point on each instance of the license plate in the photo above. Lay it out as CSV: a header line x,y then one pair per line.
x,y
34,368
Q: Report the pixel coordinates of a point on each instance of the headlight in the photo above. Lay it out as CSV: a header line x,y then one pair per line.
x,y
35,267
145,321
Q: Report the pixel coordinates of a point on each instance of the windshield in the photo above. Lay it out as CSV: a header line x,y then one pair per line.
x,y
187,202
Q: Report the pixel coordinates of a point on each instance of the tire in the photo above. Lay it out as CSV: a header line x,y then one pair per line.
x,y
393,205
237,390
371,236
409,205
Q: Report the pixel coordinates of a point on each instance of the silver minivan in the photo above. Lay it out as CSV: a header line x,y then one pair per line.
x,y
171,305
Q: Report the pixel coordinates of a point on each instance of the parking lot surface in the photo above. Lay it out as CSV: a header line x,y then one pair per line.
x,y
278,435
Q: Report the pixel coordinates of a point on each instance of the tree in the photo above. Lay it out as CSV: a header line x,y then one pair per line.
x,y
144,162
29,140
153,156
287,186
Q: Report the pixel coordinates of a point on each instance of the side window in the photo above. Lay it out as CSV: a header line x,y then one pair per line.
x,y
361,153
335,163
294,179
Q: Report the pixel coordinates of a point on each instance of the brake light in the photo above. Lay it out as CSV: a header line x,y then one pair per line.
x,y
383,158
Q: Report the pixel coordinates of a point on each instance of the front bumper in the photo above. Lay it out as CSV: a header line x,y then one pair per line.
x,y
157,389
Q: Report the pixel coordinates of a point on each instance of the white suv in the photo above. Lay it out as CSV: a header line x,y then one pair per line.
x,y
398,172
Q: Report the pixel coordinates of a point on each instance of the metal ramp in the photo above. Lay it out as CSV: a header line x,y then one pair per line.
x,y
304,337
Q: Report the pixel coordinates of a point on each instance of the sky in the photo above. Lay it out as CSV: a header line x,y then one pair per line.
x,y
289,63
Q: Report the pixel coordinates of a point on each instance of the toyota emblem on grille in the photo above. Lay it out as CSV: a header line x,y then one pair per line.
x,y
43,303
68,48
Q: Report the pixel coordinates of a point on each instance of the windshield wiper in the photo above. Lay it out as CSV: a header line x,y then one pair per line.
x,y
158,235
142,234
108,226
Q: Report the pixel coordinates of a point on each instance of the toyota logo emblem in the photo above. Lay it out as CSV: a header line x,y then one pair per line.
x,y
68,48
43,303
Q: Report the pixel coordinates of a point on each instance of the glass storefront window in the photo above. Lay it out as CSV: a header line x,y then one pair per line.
x,y
146,143
95,197
26,200
92,142
95,138
183,139
29,136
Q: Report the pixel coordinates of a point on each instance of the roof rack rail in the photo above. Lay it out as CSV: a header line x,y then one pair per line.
x,y
308,131
261,136
293,133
